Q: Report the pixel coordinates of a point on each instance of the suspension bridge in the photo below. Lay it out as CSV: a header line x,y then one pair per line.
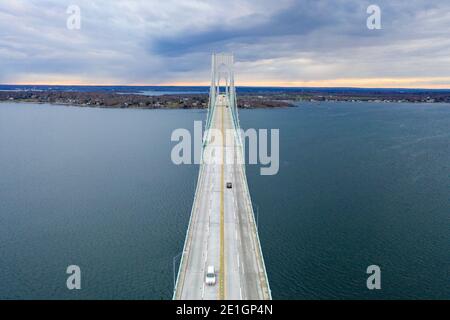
x,y
222,231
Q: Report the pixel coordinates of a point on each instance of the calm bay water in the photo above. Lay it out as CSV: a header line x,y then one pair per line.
x,y
359,184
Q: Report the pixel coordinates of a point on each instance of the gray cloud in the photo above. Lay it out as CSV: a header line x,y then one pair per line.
x,y
156,42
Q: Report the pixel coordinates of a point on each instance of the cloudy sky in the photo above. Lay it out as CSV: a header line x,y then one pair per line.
x,y
282,42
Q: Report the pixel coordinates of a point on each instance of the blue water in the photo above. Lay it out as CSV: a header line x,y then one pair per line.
x,y
359,184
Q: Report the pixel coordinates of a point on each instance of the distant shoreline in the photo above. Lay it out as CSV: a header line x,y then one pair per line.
x,y
256,99
133,101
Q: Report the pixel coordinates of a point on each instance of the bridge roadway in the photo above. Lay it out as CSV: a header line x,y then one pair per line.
x,y
222,230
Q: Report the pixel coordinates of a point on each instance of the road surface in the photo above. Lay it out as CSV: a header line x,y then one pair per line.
x,y
222,230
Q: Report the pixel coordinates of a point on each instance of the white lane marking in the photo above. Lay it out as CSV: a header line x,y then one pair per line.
x,y
208,234
240,292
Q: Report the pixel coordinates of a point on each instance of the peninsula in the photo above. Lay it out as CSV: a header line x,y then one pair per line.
x,y
249,98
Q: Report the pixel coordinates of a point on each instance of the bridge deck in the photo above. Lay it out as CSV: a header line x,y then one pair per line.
x,y
222,230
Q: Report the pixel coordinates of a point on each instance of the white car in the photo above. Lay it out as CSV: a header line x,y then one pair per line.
x,y
210,276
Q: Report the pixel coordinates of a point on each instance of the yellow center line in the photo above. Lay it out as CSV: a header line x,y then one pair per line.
x,y
222,231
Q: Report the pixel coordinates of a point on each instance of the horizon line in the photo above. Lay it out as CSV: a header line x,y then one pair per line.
x,y
429,83
242,86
